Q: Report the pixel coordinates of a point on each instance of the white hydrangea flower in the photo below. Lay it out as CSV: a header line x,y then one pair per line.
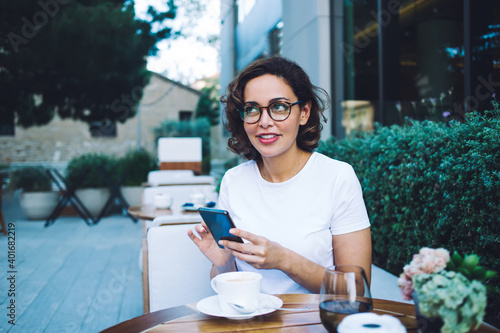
x,y
459,302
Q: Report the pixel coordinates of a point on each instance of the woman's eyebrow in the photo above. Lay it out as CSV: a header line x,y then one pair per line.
x,y
275,99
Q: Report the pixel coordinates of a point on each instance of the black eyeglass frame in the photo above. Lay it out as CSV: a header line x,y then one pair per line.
x,y
290,105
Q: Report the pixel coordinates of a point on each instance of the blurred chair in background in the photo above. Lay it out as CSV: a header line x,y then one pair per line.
x,y
180,154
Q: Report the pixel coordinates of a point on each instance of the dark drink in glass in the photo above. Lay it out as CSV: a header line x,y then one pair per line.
x,y
332,312
344,291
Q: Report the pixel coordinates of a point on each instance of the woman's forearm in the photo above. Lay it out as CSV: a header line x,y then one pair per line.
x,y
303,271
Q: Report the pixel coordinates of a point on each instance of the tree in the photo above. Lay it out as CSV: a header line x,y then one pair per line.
x,y
80,59
208,104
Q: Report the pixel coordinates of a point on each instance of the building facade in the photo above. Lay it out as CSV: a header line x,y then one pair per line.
x,y
381,61
61,140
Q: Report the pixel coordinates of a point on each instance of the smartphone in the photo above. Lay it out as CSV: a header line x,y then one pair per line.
x,y
219,222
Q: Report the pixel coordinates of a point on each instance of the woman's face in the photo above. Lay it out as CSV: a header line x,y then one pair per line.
x,y
273,138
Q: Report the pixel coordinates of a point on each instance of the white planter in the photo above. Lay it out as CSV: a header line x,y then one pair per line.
x,y
93,199
133,194
38,205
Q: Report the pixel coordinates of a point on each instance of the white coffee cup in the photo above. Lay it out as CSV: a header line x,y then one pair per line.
x,y
237,288
163,201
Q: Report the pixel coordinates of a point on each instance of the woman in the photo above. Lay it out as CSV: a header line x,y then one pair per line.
x,y
297,210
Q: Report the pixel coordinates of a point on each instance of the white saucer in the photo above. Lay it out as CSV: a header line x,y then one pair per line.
x,y
210,306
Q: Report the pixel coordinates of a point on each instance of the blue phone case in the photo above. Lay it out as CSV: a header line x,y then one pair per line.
x,y
219,222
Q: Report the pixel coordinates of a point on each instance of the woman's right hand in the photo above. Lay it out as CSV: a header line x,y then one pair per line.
x,y
207,245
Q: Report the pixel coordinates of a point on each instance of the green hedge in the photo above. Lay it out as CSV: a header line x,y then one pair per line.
x,y
29,179
431,184
86,171
138,164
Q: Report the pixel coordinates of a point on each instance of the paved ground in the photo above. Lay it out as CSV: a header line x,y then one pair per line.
x,y
69,277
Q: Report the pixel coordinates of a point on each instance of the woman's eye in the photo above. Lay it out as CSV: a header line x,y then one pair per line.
x,y
251,110
279,107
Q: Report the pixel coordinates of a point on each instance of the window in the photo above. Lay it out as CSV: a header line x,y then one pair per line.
x,y
185,115
103,129
7,127
430,59
244,7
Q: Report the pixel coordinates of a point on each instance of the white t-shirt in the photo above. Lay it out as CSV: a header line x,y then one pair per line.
x,y
301,214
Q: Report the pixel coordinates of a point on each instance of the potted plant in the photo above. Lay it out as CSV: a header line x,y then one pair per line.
x,y
37,198
448,291
133,168
90,174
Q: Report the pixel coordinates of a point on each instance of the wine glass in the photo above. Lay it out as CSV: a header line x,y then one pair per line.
x,y
344,291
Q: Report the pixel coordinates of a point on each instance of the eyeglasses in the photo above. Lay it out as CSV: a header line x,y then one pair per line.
x,y
278,111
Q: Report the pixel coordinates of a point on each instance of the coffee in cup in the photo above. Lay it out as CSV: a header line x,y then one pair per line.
x,y
239,289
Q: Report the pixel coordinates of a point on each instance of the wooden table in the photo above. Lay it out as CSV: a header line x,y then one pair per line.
x,y
149,212
187,319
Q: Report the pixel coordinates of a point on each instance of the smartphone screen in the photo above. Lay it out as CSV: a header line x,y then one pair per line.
x,y
219,222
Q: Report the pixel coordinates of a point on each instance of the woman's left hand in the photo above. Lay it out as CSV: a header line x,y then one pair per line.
x,y
260,252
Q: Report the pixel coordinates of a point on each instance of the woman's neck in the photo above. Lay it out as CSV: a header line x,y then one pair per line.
x,y
281,168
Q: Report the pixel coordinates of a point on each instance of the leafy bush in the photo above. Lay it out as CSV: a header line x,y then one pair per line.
x,y
431,184
198,128
29,179
91,170
208,104
137,164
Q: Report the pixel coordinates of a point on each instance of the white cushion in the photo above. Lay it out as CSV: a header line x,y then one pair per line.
x,y
178,272
173,177
179,150
168,176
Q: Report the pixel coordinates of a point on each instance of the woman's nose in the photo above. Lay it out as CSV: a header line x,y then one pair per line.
x,y
265,119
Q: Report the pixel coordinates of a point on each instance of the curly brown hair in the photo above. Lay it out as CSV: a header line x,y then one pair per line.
x,y
293,75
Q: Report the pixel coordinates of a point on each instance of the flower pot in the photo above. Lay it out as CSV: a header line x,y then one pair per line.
x,y
38,205
133,195
424,323
93,199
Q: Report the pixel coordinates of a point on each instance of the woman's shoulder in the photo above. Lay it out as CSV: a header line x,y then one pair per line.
x,y
244,167
323,161
332,170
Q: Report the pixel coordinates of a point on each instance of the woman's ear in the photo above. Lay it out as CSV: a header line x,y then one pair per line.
x,y
305,112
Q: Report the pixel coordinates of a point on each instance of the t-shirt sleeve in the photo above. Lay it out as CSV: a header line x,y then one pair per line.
x,y
223,193
349,213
